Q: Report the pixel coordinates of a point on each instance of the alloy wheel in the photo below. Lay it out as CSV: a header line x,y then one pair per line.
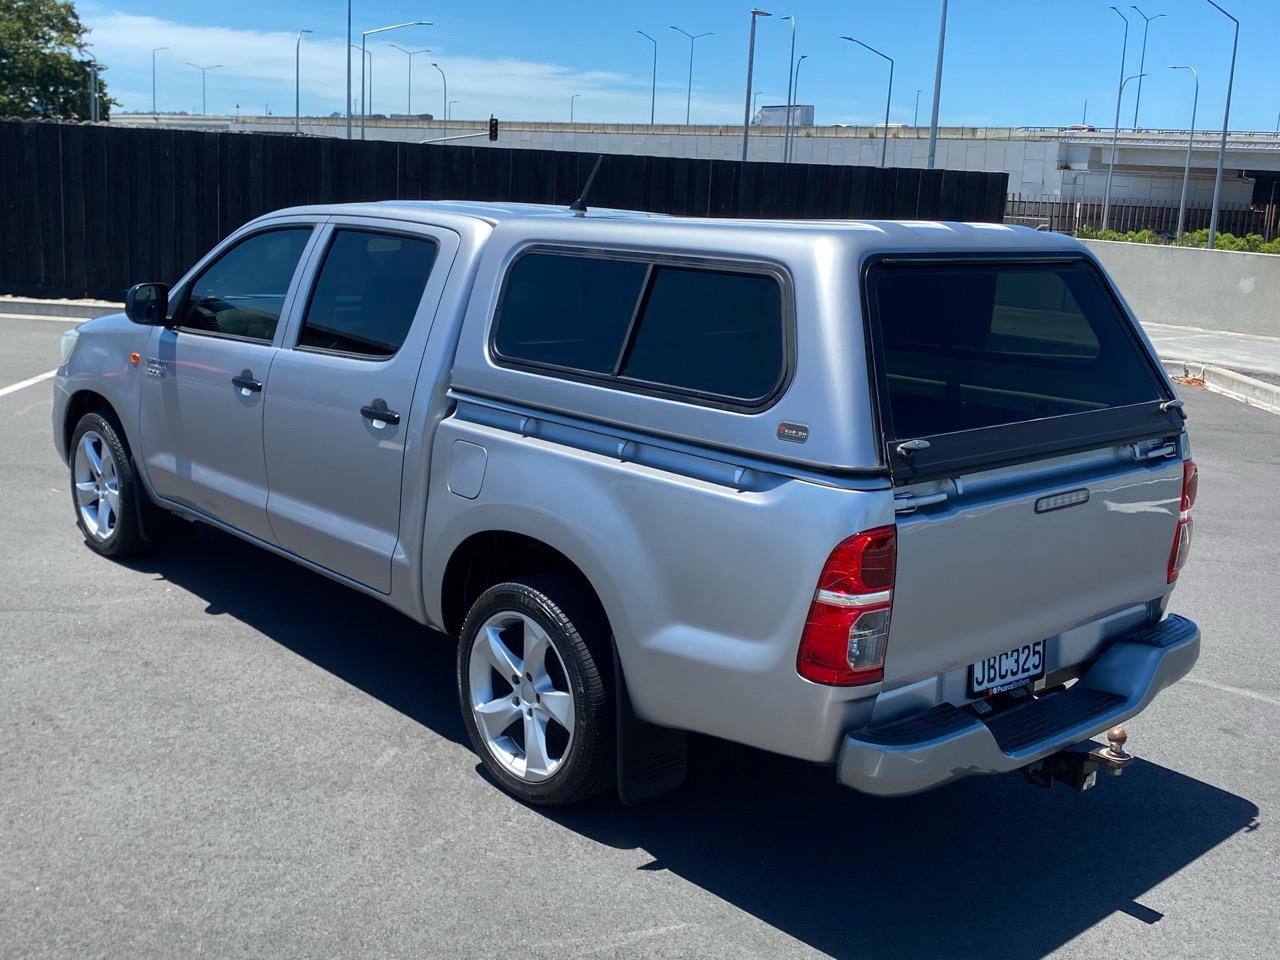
x,y
520,697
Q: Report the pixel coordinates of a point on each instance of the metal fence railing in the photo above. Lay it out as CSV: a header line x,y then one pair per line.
x,y
1068,216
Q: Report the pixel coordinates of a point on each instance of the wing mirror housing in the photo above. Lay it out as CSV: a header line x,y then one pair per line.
x,y
147,303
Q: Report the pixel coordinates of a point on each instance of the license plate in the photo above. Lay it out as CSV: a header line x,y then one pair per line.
x,y
1007,670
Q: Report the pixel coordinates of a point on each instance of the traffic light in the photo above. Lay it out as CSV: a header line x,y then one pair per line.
x,y
493,128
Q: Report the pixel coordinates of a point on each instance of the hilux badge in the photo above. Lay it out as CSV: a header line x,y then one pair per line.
x,y
1059,501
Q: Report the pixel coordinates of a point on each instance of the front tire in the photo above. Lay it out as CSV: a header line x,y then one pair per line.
x,y
534,693
105,490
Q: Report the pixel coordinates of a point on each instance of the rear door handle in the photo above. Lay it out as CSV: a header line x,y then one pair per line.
x,y
378,415
247,383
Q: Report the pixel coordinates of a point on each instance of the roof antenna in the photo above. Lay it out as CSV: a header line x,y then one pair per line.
x,y
579,206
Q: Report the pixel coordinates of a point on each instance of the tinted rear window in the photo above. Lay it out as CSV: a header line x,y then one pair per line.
x,y
711,332
568,311
977,345
706,332
367,293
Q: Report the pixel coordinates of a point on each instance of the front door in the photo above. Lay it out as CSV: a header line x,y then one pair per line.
x,y
203,396
341,391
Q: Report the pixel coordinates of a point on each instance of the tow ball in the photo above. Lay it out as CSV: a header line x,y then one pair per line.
x,y
1078,766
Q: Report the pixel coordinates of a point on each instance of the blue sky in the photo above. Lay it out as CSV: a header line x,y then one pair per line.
x,y
1014,62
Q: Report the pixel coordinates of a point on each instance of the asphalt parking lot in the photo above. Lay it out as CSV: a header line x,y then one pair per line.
x,y
211,751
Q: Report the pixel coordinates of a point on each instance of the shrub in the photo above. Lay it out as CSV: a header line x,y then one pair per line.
x,y
1251,243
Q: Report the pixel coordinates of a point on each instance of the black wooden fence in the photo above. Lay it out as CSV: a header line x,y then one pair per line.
x,y
89,210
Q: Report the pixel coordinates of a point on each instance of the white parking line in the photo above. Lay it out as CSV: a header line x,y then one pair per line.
x,y
1238,691
40,316
32,381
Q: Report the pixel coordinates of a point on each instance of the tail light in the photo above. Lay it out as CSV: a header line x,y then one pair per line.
x,y
847,633
1182,533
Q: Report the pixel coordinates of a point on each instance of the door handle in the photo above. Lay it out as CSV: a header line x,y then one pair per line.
x,y
378,415
247,383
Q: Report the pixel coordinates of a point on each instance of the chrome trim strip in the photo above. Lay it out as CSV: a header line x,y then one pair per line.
x,y
853,599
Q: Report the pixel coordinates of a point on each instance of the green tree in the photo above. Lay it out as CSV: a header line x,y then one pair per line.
x,y
44,62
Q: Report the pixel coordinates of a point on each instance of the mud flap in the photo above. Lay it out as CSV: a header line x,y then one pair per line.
x,y
651,760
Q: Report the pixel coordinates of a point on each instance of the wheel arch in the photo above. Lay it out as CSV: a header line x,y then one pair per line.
x,y
486,557
90,401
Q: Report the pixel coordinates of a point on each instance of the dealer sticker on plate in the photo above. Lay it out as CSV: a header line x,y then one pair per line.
x,y
1007,670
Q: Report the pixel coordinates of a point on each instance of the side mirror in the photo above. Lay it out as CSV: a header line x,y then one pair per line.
x,y
147,303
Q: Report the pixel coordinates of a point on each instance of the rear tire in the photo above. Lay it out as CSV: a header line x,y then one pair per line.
x,y
105,491
535,692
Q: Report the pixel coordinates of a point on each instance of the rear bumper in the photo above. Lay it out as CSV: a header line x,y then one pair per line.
x,y
947,743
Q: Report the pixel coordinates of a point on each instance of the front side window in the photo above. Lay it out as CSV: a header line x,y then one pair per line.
x,y
711,333
367,293
243,292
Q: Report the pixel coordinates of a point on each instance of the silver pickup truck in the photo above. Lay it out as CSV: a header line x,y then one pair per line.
x,y
904,498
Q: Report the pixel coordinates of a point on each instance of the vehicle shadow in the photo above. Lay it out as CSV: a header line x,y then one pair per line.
x,y
355,637
984,867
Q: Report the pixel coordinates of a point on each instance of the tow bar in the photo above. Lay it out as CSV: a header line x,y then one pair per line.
x,y
1078,766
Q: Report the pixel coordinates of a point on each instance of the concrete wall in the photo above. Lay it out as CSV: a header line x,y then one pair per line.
x,y
1214,289
1041,163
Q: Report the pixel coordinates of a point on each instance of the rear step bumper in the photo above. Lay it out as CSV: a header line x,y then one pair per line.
x,y
946,742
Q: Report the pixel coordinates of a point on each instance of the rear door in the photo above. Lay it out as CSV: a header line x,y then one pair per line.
x,y
1037,469
341,393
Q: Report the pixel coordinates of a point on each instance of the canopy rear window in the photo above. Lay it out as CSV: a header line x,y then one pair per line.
x,y
1004,360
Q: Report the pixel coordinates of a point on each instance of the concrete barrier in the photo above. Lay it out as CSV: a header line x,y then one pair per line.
x,y
1213,289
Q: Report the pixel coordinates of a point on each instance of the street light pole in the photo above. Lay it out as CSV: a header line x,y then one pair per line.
x,y
653,86
297,82
756,12
449,110
796,97
445,84
154,51
571,100
1115,137
94,66
1186,168
791,70
937,86
915,117
884,140
204,101
1226,119
365,55
364,100
1124,52
412,53
688,100
349,69
1142,63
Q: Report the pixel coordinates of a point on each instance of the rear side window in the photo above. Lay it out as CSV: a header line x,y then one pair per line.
x,y
703,332
568,311
970,346
367,293
709,332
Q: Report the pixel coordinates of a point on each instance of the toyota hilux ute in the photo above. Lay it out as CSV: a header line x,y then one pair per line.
x,y
907,499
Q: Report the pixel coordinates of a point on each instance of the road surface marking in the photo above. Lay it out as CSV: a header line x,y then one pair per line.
x,y
1176,329
15,387
1238,691
40,316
